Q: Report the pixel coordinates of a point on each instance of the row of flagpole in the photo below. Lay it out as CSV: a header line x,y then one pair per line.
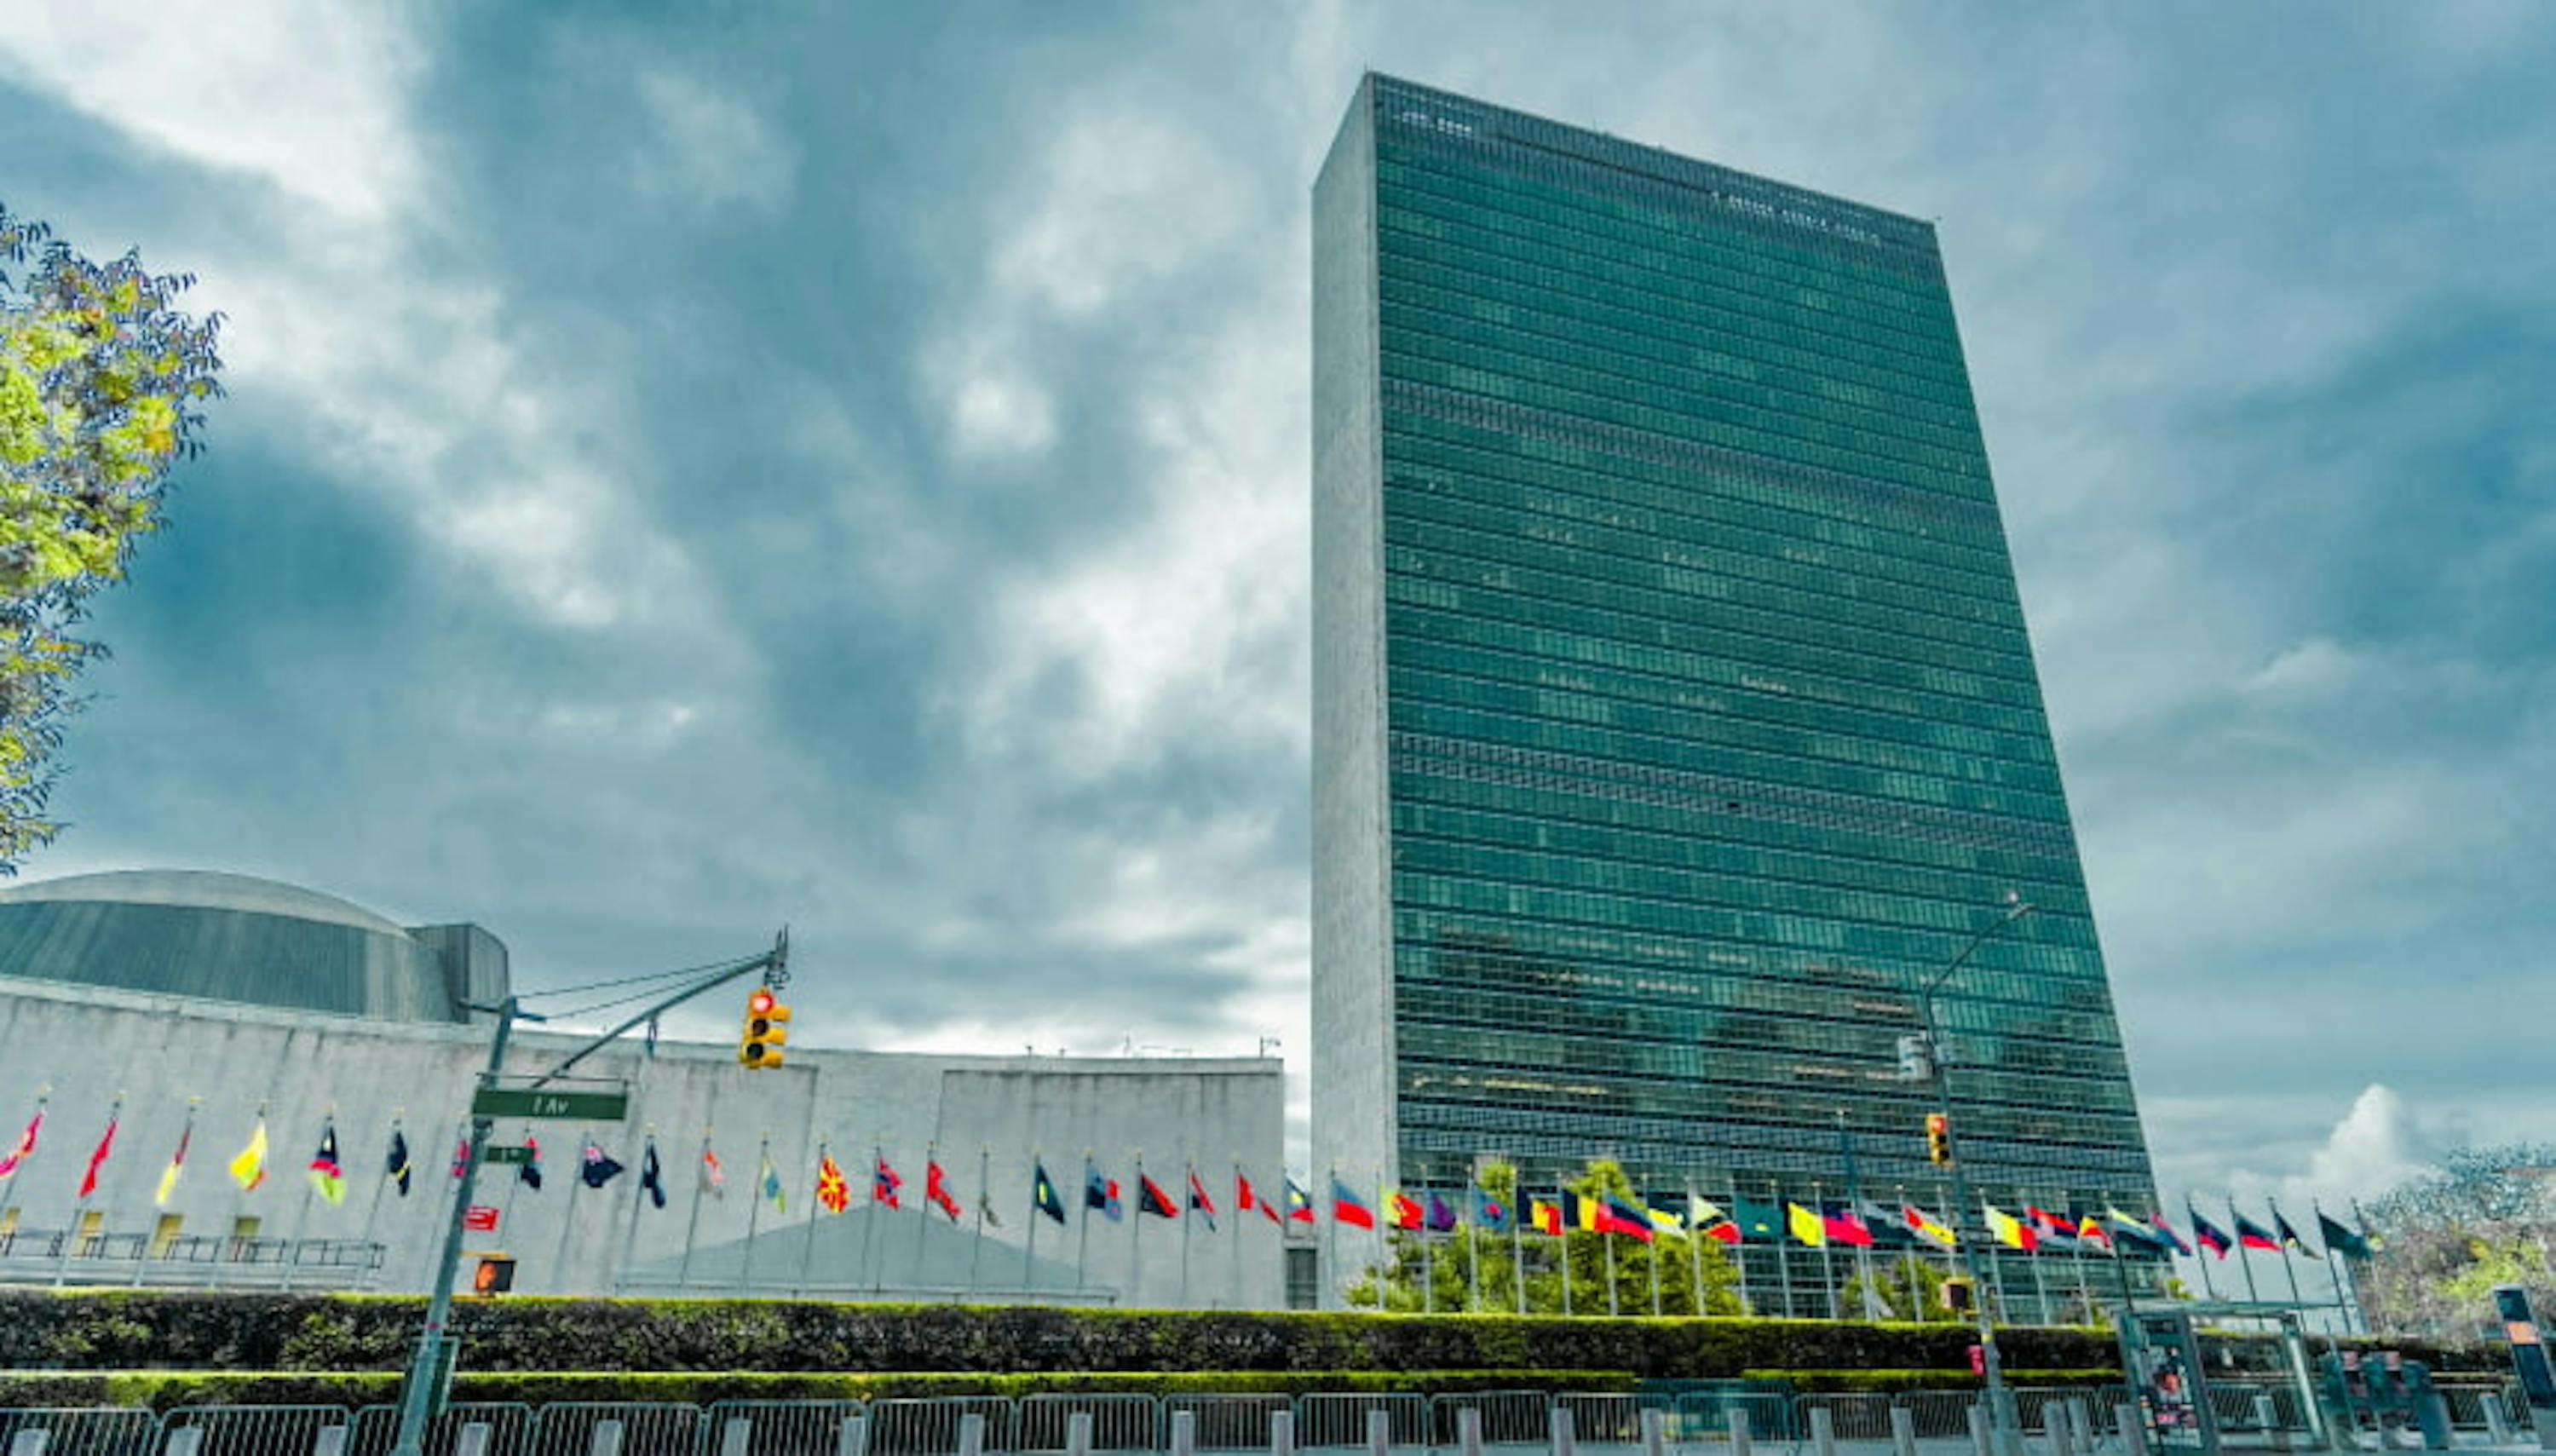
x,y
1821,1224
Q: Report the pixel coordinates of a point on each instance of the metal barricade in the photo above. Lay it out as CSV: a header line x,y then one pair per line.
x,y
105,1430
929,1427
258,1430
776,1428
1228,1422
1602,1419
648,1428
1701,1416
1858,1418
1339,1419
1510,1418
1119,1423
509,1423
2032,1406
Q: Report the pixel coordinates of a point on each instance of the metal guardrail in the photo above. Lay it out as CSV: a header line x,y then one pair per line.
x,y
1081,1423
193,1249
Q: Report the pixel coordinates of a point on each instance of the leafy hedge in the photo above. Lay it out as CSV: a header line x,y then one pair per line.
x,y
167,1390
133,1331
1887,1380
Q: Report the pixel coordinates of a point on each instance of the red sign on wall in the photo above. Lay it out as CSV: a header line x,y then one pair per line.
x,y
481,1218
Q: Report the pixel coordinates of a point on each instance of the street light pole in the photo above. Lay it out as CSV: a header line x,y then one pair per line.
x,y
2003,1416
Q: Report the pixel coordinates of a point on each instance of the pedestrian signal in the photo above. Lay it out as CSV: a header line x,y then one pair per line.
x,y
496,1275
759,1042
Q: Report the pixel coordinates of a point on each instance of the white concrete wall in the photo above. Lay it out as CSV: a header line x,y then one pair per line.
x,y
88,1045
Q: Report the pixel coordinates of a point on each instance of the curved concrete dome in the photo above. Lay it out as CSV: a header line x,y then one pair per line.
x,y
223,937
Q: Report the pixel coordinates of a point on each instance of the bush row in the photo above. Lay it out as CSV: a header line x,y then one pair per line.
x,y
44,1330
165,1391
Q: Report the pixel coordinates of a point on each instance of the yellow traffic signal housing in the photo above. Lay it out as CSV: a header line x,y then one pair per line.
x,y
1939,1137
766,1030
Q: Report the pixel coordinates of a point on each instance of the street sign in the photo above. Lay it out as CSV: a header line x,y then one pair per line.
x,y
542,1101
505,1155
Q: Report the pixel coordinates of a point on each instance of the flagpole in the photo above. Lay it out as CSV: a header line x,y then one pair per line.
x,y
240,1196
2247,1265
2201,1254
808,1242
1332,1285
1607,1244
1855,1209
976,1255
1240,1301
2298,1302
1695,1247
923,1214
1473,1243
630,1240
2363,1232
1190,1171
869,1225
1652,1248
692,1224
1136,1238
1783,1256
1828,1255
754,1213
568,1219
2040,1289
2077,1259
1517,1231
2335,1260
1428,1250
1029,1254
79,1210
1383,1262
381,1185
1083,1251
1561,1220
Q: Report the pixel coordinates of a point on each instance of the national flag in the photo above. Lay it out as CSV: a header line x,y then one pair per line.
x,y
1299,1204
1544,1218
395,1163
1888,1228
1043,1197
1805,1226
2290,1237
1620,1216
2340,1239
461,1156
2057,1234
2091,1229
2157,1222
1244,1198
10,1160
176,1164
1152,1198
652,1175
479,1218
935,1190
2251,1234
1102,1193
713,1178
97,1155
985,1208
1490,1215
771,1183
1405,1211
1199,1202
1663,1221
1927,1226
833,1190
1708,1220
1840,1225
530,1170
326,1176
599,1167
2141,1234
249,1168
2206,1233
885,1186
1346,1208
1442,1215
1756,1220
2009,1231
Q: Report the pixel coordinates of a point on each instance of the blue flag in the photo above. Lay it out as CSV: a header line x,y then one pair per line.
x,y
1043,1195
1102,1193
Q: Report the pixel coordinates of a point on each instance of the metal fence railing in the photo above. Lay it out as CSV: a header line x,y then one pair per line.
x,y
1694,1424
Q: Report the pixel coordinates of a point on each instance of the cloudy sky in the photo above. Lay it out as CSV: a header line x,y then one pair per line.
x,y
847,466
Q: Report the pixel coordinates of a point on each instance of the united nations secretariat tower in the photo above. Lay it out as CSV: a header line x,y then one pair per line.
x,y
1675,721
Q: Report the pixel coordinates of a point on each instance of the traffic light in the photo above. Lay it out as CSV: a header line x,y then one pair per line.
x,y
759,1043
1939,1137
496,1275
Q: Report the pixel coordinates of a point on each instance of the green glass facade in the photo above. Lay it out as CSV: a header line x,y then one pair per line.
x,y
1675,711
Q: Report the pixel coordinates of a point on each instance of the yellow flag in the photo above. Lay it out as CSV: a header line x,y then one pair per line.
x,y
177,1164
249,1168
1806,1225
2008,1230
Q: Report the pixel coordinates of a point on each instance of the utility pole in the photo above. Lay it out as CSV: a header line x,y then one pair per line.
x,y
2003,1416
419,1392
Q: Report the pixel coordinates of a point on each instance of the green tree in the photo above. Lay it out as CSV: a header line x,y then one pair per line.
x,y
100,380
1903,1286
2442,1240
1439,1271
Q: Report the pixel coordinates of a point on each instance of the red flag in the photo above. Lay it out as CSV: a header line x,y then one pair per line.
x,y
1244,1200
88,1183
481,1218
1346,1209
936,1190
1407,1213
